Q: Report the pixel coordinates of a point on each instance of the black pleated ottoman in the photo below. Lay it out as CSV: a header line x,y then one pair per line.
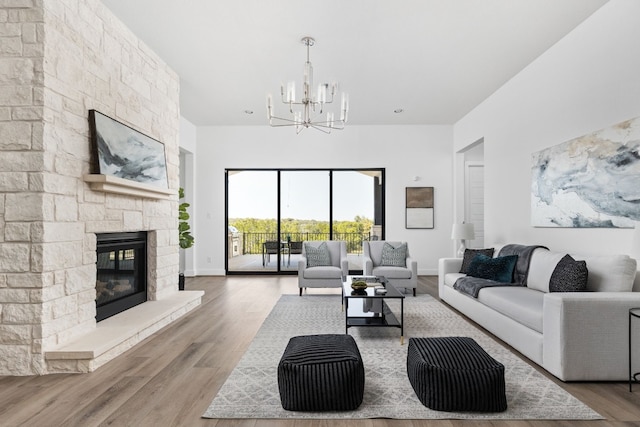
x,y
455,374
321,373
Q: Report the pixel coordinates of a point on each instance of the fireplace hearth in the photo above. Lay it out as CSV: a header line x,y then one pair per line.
x,y
121,280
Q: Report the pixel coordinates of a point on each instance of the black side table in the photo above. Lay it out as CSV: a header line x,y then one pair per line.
x,y
633,312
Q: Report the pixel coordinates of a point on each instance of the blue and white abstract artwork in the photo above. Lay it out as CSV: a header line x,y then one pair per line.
x,y
126,153
591,181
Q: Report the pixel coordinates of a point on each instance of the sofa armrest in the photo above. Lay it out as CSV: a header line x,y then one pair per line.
x,y
445,266
586,335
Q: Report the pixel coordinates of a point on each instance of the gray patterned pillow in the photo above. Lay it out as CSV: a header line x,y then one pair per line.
x,y
569,276
394,257
317,257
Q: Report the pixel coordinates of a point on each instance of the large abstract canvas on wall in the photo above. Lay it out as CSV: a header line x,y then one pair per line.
x,y
590,181
126,153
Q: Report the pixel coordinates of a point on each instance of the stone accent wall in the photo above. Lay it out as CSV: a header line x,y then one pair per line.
x,y
58,60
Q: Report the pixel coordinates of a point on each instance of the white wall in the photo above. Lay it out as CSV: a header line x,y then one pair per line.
x,y
404,151
188,145
587,81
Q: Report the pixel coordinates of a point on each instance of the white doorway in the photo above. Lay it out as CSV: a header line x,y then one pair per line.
x,y
474,200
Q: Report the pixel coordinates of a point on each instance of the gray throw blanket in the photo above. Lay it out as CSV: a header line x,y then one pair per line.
x,y
472,285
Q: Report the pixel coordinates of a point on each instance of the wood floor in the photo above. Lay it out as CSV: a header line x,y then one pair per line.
x,y
170,378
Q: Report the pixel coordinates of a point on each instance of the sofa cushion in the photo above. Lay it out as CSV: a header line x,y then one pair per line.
x,y
520,303
395,257
497,269
450,278
569,276
317,256
470,254
543,262
613,273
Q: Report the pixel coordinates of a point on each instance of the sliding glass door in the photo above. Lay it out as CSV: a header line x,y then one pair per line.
x,y
252,209
353,210
304,212
270,213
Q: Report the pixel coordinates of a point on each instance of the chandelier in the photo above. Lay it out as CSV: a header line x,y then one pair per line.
x,y
309,110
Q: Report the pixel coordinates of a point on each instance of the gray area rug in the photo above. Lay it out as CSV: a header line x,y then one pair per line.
x,y
251,391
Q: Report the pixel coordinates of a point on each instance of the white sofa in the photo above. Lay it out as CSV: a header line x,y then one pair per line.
x,y
576,336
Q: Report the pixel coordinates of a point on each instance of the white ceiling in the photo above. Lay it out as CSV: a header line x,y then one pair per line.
x,y
436,59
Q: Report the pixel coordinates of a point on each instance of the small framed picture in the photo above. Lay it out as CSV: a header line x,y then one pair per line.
x,y
419,207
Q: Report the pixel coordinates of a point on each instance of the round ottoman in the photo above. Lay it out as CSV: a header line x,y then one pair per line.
x,y
321,373
455,374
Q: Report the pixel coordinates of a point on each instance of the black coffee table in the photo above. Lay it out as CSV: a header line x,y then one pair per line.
x,y
368,308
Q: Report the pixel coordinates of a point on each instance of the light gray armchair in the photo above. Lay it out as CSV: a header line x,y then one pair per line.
x,y
400,273
324,266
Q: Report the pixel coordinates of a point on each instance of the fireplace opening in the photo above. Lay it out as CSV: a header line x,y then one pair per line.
x,y
121,265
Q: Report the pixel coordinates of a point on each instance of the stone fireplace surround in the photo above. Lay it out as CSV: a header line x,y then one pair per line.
x,y
60,59
113,336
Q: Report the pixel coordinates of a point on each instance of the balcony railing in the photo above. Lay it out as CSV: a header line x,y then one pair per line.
x,y
252,242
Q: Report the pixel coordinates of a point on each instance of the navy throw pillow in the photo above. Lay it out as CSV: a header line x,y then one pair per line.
x,y
498,269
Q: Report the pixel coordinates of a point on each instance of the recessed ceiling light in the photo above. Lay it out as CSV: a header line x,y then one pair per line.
x,y
248,111
398,110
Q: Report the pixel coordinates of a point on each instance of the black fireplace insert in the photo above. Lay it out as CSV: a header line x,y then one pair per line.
x,y
121,281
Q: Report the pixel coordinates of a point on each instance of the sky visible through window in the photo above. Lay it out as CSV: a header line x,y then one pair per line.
x,y
305,195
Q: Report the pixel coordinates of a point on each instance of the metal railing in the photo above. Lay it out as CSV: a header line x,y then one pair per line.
x,y
252,242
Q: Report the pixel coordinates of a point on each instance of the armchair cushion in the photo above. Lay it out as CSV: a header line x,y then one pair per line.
x,y
317,257
392,272
395,257
323,272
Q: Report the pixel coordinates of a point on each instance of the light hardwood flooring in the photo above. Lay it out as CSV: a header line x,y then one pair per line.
x,y
170,378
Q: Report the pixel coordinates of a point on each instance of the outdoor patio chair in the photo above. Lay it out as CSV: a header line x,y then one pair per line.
x,y
270,247
295,248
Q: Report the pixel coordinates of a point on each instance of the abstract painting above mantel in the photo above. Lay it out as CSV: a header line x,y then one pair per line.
x,y
123,152
591,181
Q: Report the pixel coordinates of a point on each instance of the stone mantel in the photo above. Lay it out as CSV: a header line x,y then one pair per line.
x,y
113,184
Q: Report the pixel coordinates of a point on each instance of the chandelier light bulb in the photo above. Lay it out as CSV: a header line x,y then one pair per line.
x,y
308,111
291,92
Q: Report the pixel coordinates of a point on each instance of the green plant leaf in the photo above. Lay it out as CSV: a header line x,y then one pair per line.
x,y
186,239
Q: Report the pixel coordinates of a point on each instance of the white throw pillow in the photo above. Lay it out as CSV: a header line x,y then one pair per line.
x,y
611,273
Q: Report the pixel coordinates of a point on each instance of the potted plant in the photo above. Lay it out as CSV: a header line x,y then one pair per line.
x,y
186,239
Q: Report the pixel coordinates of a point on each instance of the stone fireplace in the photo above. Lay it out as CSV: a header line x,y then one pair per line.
x,y
61,59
